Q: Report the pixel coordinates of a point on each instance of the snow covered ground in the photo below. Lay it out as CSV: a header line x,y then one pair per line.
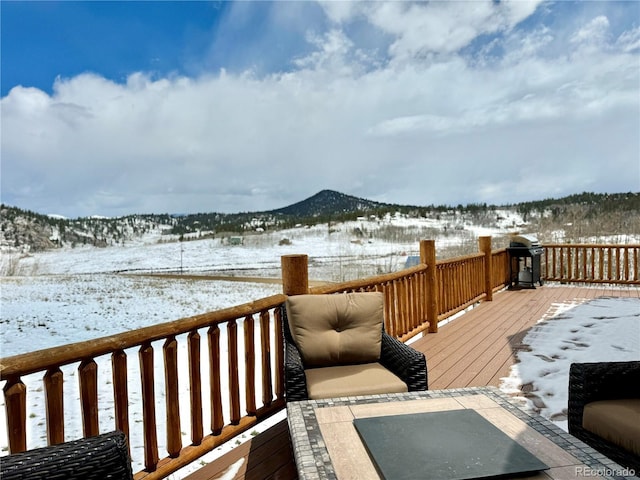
x,y
52,310
336,252
603,329
70,295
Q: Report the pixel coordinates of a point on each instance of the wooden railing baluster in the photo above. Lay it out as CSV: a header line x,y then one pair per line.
x,y
265,346
15,399
250,364
148,407
172,398
402,306
88,371
619,266
408,282
217,419
54,400
412,303
195,387
234,382
625,263
388,304
120,391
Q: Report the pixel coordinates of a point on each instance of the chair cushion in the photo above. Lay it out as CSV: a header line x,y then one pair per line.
x,y
349,380
617,421
337,329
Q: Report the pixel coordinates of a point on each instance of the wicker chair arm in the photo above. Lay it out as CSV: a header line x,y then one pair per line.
x,y
295,381
294,377
103,457
405,362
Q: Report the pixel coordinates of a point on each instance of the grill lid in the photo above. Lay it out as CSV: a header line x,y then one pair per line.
x,y
524,241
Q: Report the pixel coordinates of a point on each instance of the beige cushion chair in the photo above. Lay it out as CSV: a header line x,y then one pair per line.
x,y
335,346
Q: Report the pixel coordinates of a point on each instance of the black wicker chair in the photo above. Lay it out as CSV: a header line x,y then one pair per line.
x,y
402,360
590,382
104,457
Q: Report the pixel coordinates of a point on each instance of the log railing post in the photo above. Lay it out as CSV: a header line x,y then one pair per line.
x,y
485,247
295,274
428,257
15,397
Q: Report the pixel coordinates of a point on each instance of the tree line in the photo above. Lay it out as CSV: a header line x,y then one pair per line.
x,y
580,215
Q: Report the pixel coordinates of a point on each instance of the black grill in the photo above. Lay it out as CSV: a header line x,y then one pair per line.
x,y
525,254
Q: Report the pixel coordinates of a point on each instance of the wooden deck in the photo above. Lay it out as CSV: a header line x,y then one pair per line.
x,y
476,349
266,456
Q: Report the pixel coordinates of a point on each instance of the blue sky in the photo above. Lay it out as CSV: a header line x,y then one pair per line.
x,y
115,39
113,108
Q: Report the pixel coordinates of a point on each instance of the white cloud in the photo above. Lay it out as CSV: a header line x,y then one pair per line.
x,y
341,12
595,32
527,44
513,119
333,52
423,28
629,40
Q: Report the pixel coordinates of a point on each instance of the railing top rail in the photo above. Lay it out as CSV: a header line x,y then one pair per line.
x,y
32,362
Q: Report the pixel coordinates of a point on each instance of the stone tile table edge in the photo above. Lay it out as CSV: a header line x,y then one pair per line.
x,y
312,457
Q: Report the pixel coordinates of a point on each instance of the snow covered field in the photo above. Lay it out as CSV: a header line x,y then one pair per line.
x,y
70,295
51,310
333,251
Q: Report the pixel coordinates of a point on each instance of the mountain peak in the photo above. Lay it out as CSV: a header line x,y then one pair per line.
x,y
329,202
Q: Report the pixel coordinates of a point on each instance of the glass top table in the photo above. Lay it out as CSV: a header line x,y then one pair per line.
x,y
327,445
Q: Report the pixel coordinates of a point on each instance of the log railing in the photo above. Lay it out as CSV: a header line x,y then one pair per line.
x,y
616,264
200,381
417,298
239,367
456,294
499,269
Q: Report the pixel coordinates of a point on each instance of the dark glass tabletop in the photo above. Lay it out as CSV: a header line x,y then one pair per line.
x,y
446,445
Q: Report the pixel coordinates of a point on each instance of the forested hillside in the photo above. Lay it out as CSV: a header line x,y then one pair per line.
x,y
585,215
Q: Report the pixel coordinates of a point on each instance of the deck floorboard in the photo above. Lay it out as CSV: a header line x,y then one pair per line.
x,y
476,349
479,348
